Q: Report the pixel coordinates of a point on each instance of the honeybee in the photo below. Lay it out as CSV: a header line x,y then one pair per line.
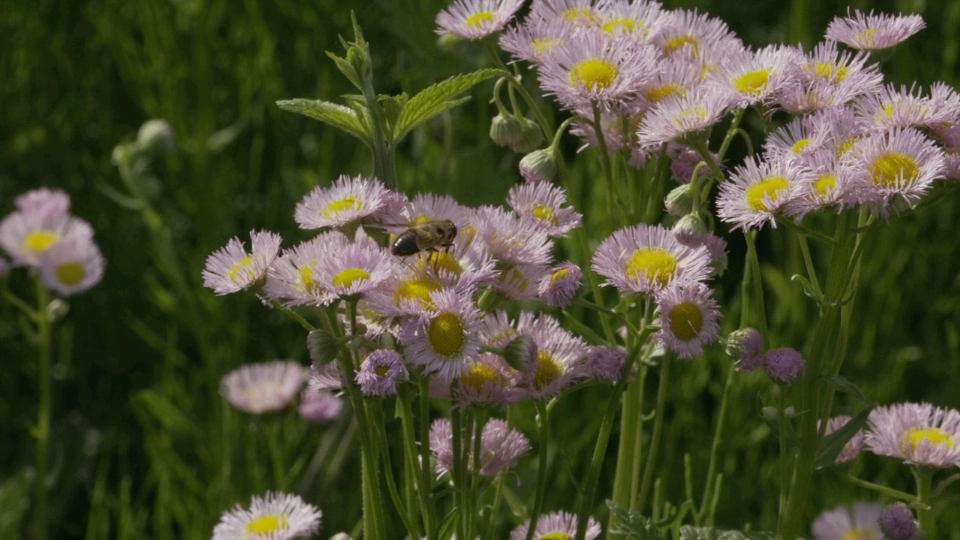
x,y
427,235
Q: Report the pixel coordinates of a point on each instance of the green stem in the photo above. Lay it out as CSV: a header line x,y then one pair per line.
x,y
411,467
925,514
605,161
276,454
883,490
494,509
42,431
543,423
751,236
662,390
408,523
708,488
459,489
426,478
27,310
782,429
545,124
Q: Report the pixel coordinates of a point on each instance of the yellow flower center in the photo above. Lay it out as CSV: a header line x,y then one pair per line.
x,y
346,278
446,334
894,169
752,83
655,264
267,525
692,116
845,146
381,371
70,273
243,270
335,208
478,20
824,185
679,42
831,72
515,279
914,438
548,370
861,534
556,536
594,74
546,214
416,289
477,374
39,241
502,338
800,145
559,274
544,45
768,187
865,38
439,260
307,283
658,93
623,25
686,320
579,15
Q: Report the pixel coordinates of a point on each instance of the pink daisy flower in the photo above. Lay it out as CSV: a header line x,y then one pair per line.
x,y
231,268
442,339
276,516
359,268
853,447
917,433
757,77
380,372
756,192
543,205
476,19
25,236
71,266
689,318
783,364
294,277
488,380
536,38
263,387
580,13
49,203
347,200
500,447
873,32
861,522
555,525
746,347
640,19
680,116
319,406
560,285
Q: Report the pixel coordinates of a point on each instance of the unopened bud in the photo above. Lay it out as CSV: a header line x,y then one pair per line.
x,y
505,130
156,137
530,136
679,201
746,347
539,165
783,364
690,230
770,414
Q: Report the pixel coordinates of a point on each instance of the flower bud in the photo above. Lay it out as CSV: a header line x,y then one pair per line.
x,y
539,165
770,414
690,230
746,347
156,137
558,287
896,522
505,130
679,201
783,364
530,136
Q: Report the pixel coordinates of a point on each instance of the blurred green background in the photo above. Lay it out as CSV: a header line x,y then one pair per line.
x,y
144,447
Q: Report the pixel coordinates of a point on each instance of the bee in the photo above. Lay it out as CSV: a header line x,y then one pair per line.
x,y
427,235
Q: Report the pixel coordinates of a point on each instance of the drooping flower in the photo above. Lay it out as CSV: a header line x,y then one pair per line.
x,y
276,516
476,19
263,387
231,268
347,200
917,433
556,525
688,316
500,447
746,347
319,406
605,363
873,32
860,522
646,258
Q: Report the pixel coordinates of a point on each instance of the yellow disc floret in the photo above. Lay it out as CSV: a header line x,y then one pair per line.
x,y
70,273
654,264
914,438
39,241
594,74
548,370
335,208
770,187
267,525
478,20
894,169
446,335
346,278
686,320
753,83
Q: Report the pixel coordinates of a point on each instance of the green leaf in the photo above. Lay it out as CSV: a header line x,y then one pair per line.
x,y
631,525
323,346
336,115
842,384
688,532
833,443
437,98
808,288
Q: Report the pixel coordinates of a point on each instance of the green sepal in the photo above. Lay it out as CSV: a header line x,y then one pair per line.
x,y
323,346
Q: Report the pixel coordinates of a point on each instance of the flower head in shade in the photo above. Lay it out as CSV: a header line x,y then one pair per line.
x,y
594,68
535,38
783,364
71,266
559,361
746,347
755,192
231,268
850,450
873,32
685,162
347,200
688,318
26,235
487,380
896,166
558,287
475,19
326,377
263,387
556,525
680,116
605,363
897,523
294,278
543,205
443,338
44,201
520,281
380,373
917,433
717,249
319,406
844,523
500,447
646,258
276,516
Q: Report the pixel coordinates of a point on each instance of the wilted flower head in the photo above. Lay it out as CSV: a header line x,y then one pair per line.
x,y
475,19
917,433
263,387
783,364
380,372
850,450
556,525
231,268
605,363
873,32
276,516
347,200
500,447
71,266
558,287
897,523
319,406
857,523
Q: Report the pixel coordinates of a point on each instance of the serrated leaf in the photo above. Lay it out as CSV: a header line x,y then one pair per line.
x,y
323,347
833,443
842,384
437,98
392,107
517,353
336,115
688,532
631,525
